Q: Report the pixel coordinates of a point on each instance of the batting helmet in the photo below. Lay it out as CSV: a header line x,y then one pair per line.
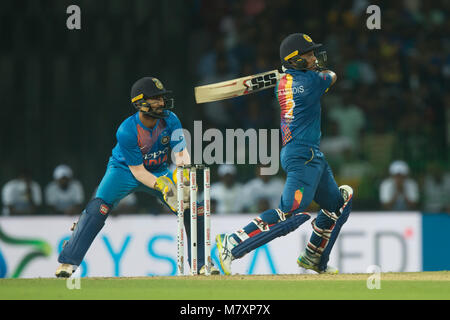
x,y
293,46
149,87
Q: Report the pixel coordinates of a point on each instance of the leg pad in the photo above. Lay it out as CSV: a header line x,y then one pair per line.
x,y
273,231
89,224
345,212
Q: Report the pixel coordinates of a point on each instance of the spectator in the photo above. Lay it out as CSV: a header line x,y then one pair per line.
x,y
21,196
218,113
353,169
64,195
227,192
263,191
349,117
335,145
399,192
437,189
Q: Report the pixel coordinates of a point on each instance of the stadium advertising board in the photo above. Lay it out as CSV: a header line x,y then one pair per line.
x,y
138,245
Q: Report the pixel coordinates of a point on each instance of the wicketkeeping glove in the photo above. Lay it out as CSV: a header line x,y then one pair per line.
x,y
169,191
186,190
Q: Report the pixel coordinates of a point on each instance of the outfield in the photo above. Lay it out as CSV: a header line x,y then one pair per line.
x,y
421,285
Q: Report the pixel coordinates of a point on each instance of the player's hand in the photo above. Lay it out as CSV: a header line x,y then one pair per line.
x,y
167,188
186,190
320,63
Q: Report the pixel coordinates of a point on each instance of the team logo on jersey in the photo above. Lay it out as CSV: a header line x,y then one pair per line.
x,y
104,209
165,140
307,38
158,83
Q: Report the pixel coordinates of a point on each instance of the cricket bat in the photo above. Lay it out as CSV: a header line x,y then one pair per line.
x,y
237,87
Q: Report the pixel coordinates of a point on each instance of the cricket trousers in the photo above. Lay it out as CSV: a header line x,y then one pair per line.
x,y
309,177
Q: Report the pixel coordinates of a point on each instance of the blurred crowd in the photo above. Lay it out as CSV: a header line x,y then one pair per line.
x,y
385,124
391,100
65,195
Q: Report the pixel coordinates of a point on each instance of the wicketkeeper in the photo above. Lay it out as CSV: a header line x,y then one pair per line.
x,y
309,176
138,163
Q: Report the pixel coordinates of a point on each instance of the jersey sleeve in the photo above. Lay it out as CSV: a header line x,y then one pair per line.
x,y
325,80
177,139
127,140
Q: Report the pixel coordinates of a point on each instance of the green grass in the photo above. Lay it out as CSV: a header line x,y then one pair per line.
x,y
283,287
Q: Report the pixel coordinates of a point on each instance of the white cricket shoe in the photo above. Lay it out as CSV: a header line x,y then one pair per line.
x,y
224,246
214,271
305,263
64,271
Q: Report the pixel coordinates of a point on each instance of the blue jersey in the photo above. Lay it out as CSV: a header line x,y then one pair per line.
x,y
137,144
298,94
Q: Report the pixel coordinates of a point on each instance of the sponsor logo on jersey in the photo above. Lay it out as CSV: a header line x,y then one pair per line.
x,y
154,155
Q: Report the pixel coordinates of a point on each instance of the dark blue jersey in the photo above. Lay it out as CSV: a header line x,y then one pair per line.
x,y
298,94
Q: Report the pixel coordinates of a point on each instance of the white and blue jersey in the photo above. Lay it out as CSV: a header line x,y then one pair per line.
x,y
136,145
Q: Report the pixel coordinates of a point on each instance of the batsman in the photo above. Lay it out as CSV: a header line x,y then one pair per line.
x,y
139,162
309,176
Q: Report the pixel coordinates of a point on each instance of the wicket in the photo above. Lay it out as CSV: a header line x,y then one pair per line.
x,y
193,188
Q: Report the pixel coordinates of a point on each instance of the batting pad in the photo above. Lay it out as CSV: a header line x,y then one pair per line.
x,y
276,230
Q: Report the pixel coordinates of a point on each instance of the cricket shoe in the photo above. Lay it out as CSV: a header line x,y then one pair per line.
x,y
305,263
64,271
214,271
224,246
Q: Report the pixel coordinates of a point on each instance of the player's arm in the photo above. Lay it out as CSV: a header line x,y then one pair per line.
x,y
162,184
332,74
127,139
326,78
143,175
182,158
178,142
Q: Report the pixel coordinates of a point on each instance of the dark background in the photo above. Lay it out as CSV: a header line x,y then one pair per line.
x,y
64,92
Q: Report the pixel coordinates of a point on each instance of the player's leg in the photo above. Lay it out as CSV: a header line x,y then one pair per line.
x,y
328,196
115,185
344,212
298,193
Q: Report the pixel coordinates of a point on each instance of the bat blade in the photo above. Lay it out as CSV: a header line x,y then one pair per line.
x,y
236,87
